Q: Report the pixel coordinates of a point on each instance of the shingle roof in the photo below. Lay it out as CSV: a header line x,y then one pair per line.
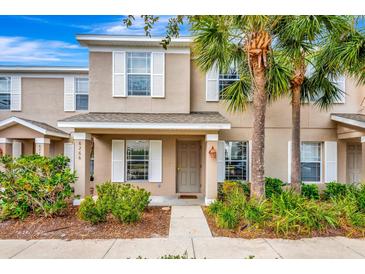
x,y
44,126
109,117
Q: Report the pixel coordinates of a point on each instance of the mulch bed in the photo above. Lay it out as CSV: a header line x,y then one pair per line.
x,y
155,222
244,232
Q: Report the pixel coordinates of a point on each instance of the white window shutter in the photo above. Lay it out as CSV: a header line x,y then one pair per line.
x,y
119,74
212,85
118,161
17,149
16,93
341,84
69,152
155,161
330,159
249,160
289,162
158,75
221,167
69,93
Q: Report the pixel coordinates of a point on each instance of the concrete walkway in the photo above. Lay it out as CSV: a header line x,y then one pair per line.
x,y
188,222
200,247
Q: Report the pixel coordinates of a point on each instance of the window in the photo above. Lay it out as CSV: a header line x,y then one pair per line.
x,y
137,160
311,161
139,73
236,161
5,92
226,79
82,93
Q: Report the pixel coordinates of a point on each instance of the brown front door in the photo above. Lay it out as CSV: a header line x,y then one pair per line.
x,y
188,166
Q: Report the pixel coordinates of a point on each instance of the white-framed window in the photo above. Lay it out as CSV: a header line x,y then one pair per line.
x,y
139,73
236,160
137,160
5,93
226,79
311,161
81,93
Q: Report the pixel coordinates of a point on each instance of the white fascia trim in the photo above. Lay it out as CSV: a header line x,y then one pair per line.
x,y
211,137
45,69
45,75
5,141
119,38
348,121
139,49
111,125
14,120
81,136
42,140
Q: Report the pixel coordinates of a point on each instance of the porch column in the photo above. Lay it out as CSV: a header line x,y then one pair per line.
x,y
363,159
211,185
42,146
82,143
6,146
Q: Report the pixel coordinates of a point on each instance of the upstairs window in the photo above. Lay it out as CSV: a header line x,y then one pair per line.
x,y
5,93
139,73
236,161
228,78
311,161
82,93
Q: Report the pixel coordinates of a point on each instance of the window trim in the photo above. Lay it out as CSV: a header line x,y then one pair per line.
x,y
220,74
126,180
246,142
9,93
144,74
320,162
76,93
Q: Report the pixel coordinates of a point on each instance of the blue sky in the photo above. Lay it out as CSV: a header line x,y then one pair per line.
x,y
50,40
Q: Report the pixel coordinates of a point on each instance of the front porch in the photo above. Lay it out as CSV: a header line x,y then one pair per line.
x,y
173,156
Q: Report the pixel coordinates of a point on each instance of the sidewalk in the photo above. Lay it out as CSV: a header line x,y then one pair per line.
x,y
189,232
200,248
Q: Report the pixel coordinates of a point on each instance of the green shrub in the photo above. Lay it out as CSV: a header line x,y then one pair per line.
x,y
349,208
255,212
124,201
235,186
273,186
34,184
310,191
227,217
215,207
91,211
334,190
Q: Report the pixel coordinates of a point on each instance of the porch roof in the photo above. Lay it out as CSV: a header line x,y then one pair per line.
x,y
40,127
351,119
189,121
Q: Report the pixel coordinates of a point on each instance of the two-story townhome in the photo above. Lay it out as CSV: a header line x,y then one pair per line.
x,y
148,116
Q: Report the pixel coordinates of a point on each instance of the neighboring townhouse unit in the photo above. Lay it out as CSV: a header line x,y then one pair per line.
x,y
148,116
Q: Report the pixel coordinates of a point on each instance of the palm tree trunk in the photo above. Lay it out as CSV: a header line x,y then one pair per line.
x,y
258,136
295,176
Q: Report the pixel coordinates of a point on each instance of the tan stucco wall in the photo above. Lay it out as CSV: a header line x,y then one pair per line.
x,y
42,100
177,87
102,153
19,131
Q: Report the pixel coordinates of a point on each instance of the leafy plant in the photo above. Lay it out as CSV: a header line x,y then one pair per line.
x,y
34,184
91,211
310,191
227,217
273,186
334,189
124,201
235,186
215,207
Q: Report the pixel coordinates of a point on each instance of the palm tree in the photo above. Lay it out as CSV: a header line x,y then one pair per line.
x,y
303,42
246,42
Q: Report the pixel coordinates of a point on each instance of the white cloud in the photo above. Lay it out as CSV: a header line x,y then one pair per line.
x,y
22,50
